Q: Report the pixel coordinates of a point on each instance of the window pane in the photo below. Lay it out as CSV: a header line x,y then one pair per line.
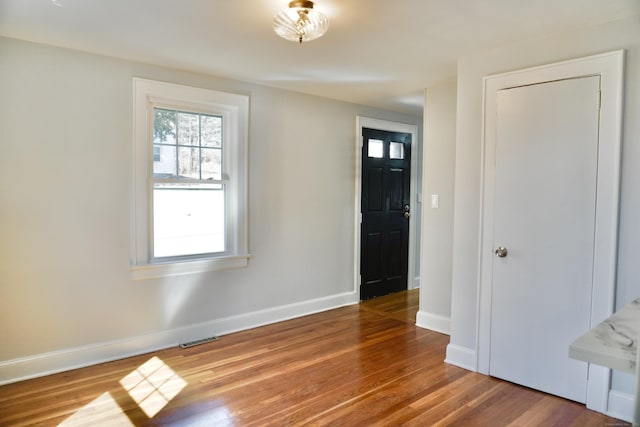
x,y
211,127
188,129
396,150
188,220
376,148
211,163
164,126
165,166
189,162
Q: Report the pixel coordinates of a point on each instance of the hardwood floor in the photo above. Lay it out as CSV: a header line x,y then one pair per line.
x,y
362,365
402,305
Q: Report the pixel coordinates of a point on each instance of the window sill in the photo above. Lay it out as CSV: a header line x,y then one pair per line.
x,y
179,268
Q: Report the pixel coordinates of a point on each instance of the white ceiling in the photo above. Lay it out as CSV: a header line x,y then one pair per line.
x,y
381,53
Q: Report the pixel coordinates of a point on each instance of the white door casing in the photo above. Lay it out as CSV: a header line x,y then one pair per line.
x,y
609,68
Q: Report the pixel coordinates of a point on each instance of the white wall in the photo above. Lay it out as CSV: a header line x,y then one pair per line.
x,y
438,178
624,34
66,297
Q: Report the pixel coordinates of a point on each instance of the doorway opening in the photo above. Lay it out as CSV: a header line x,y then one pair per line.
x,y
386,209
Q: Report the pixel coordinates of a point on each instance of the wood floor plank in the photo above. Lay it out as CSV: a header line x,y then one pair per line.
x,y
361,365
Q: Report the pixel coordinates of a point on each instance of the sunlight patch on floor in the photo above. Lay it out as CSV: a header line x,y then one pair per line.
x,y
103,411
153,385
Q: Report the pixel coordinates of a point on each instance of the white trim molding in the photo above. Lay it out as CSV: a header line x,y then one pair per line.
x,y
433,322
620,405
71,358
156,271
461,357
609,66
366,122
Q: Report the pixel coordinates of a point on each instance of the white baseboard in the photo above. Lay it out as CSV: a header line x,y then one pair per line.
x,y
461,357
433,322
416,283
620,405
71,358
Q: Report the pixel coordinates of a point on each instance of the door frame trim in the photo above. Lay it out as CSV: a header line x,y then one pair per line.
x,y
609,66
367,122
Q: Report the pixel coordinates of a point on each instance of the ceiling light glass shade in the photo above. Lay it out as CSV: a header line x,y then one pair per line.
x,y
301,22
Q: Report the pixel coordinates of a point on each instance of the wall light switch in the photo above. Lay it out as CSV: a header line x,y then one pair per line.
x,y
435,203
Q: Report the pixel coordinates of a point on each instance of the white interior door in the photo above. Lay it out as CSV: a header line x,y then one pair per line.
x,y
546,164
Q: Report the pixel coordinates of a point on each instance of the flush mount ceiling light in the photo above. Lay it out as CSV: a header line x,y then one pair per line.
x,y
301,22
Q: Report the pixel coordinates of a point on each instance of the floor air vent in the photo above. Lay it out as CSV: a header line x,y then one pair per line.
x,y
197,342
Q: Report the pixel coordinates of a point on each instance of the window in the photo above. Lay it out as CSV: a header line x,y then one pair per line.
x,y
376,148
396,150
190,180
188,190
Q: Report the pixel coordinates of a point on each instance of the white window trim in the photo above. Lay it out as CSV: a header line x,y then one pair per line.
x,y
235,112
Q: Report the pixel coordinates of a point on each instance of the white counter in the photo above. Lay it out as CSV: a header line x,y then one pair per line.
x,y
614,344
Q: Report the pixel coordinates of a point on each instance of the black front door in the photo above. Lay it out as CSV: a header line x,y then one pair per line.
x,y
384,246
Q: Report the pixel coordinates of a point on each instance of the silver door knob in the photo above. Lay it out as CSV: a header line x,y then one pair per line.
x,y
501,252
407,215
